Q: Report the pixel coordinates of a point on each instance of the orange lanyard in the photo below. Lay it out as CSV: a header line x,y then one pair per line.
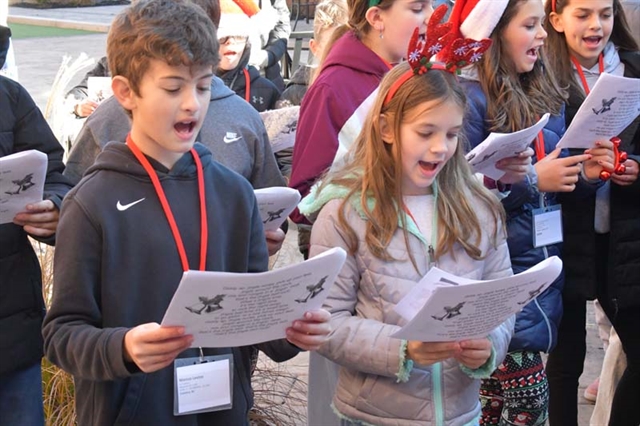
x,y
204,232
583,79
247,85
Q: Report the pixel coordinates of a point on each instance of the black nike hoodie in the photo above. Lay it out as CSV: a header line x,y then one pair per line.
x,y
117,267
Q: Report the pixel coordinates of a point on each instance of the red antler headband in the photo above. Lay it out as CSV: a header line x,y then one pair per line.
x,y
553,5
458,52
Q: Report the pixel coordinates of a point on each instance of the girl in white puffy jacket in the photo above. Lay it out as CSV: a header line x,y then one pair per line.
x,y
407,201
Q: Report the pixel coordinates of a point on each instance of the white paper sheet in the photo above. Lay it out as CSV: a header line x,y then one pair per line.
x,y
275,204
223,309
497,146
99,88
281,125
614,102
22,177
449,308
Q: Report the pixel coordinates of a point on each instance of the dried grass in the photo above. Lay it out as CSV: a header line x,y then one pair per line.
x,y
59,396
280,396
57,386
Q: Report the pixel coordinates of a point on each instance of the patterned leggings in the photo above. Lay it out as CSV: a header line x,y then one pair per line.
x,y
517,393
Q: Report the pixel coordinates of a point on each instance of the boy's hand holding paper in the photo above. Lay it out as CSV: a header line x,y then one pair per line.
x,y
39,219
223,309
152,347
22,177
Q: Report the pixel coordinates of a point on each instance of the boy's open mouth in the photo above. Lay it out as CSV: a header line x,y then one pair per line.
x,y
185,127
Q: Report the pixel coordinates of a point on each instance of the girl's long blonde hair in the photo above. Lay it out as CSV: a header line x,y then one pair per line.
x,y
559,55
516,101
357,23
374,170
328,14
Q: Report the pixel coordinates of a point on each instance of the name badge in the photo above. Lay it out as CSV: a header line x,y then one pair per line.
x,y
202,384
547,226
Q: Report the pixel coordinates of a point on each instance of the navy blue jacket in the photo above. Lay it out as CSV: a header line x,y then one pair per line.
x,y
537,325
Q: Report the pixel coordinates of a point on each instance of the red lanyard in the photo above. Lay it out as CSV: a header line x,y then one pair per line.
x,y
540,146
407,211
583,79
247,85
204,231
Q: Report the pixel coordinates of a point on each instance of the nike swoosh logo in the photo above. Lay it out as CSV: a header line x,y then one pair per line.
x,y
229,140
123,207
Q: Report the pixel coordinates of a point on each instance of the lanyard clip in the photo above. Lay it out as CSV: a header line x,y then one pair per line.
x,y
431,255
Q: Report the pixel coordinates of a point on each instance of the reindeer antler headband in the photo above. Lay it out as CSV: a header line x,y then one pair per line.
x,y
440,39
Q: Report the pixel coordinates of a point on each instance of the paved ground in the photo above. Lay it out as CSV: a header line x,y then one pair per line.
x,y
38,60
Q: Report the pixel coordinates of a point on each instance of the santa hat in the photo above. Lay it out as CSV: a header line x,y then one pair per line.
x,y
244,17
476,19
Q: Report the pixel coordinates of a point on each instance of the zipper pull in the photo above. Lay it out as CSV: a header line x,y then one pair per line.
x,y
431,253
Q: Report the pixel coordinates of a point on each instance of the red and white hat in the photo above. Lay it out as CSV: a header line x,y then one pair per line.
x,y
235,17
476,19
243,17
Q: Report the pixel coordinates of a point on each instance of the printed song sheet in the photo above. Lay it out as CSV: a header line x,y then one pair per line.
x,y
614,102
444,307
223,309
99,88
275,204
281,125
496,146
22,178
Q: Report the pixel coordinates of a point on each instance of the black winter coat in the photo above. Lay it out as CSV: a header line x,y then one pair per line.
x,y
22,127
579,250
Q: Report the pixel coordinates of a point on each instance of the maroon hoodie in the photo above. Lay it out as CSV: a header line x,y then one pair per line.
x,y
333,111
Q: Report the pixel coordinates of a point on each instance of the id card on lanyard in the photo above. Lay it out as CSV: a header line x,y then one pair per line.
x,y
547,226
203,384
547,220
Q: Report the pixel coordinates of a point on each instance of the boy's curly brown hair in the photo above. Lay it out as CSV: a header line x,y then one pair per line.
x,y
174,31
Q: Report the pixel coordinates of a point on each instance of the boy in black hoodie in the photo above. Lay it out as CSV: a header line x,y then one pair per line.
x,y
123,256
235,50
